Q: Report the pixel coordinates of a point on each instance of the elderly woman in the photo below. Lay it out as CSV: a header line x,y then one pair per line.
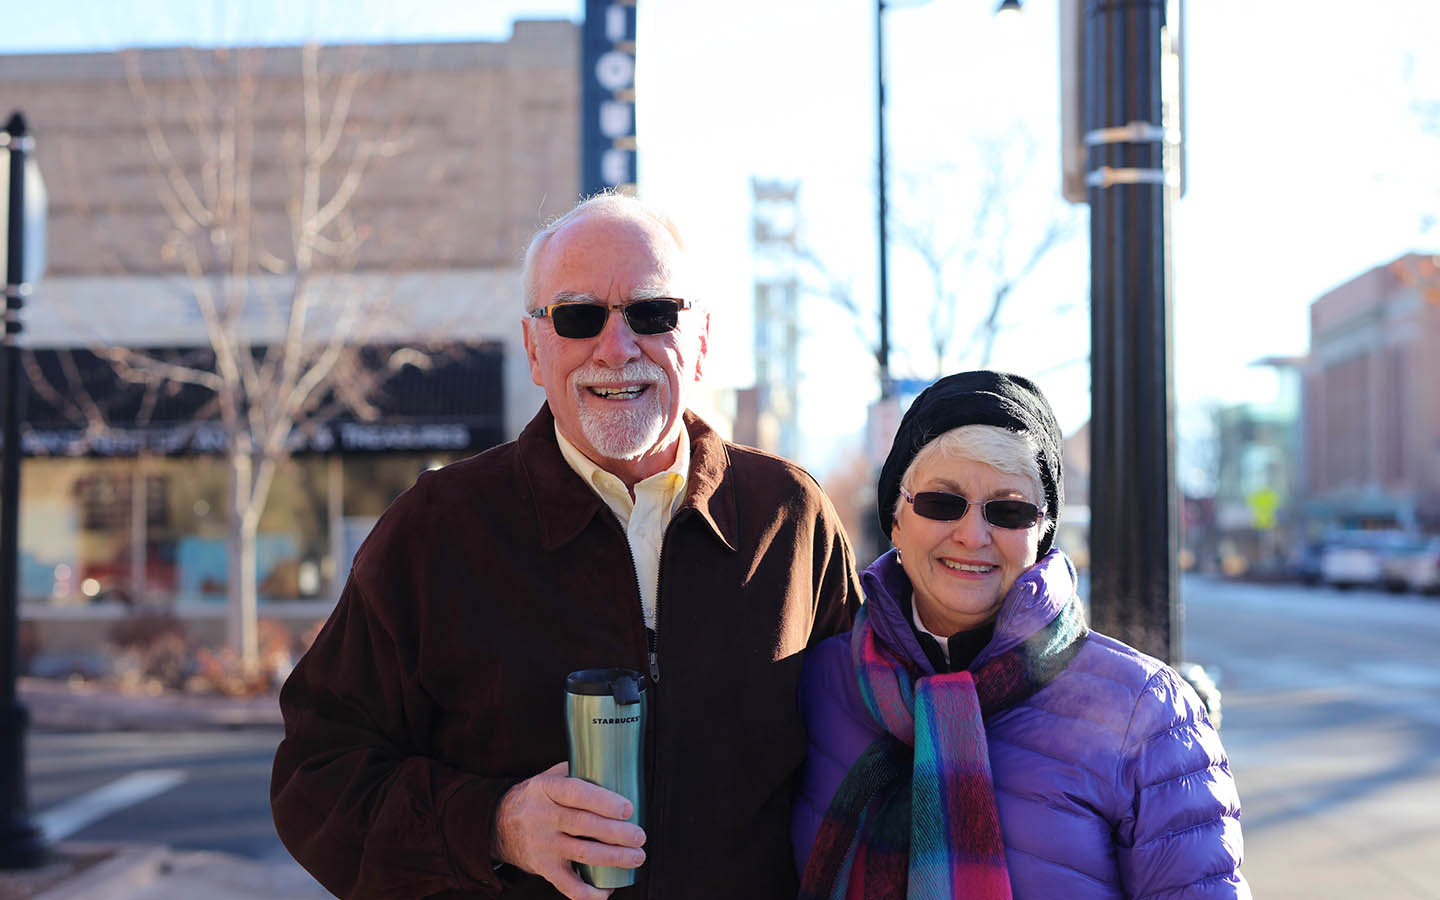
x,y
971,737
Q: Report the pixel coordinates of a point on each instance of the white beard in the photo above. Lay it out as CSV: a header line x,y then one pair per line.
x,y
629,431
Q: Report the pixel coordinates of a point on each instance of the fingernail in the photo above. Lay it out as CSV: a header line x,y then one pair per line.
x,y
627,811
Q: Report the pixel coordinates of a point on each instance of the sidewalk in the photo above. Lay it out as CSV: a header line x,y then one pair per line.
x,y
91,871
63,706
144,872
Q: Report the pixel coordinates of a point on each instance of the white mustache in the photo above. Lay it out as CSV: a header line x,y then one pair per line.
x,y
640,371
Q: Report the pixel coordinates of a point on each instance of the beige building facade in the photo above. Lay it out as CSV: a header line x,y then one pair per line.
x,y
469,148
1371,398
483,144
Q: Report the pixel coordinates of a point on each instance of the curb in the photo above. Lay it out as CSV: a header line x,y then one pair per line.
x,y
157,872
128,871
60,706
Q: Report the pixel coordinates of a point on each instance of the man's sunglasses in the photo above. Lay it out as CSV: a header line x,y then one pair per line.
x,y
943,506
585,320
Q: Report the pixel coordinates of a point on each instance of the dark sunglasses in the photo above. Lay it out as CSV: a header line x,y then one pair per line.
x,y
943,506
585,320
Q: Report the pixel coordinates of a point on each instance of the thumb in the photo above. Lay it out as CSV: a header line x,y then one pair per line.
x,y
560,768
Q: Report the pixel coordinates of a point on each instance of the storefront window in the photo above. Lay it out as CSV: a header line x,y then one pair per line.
x,y
154,531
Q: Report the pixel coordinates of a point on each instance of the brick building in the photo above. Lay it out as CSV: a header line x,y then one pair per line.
x,y
1371,401
487,149
476,145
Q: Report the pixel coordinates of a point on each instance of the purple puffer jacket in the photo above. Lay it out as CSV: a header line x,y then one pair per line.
x,y
1110,781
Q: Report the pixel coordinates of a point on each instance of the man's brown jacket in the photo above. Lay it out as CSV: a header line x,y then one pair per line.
x,y
438,681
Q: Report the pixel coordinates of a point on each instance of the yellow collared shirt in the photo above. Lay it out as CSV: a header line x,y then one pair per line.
x,y
645,517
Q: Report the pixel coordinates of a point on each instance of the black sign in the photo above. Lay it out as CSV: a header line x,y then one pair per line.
x,y
209,438
451,403
607,96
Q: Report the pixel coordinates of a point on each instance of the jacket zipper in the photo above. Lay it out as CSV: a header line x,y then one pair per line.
x,y
653,659
657,803
652,635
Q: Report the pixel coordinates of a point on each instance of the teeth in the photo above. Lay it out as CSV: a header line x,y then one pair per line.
x,y
626,393
962,567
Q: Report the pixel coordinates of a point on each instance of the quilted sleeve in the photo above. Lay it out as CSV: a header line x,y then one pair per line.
x,y
1178,835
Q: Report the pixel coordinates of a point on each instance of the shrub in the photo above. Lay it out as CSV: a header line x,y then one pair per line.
x,y
152,649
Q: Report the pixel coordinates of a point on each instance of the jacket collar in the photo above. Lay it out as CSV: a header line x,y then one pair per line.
x,y
564,504
1036,598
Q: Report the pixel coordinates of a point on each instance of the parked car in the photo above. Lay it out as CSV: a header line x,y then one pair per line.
x,y
1423,572
1353,559
1396,560
1401,553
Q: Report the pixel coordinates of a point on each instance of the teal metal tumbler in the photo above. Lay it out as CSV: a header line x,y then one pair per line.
x,y
605,723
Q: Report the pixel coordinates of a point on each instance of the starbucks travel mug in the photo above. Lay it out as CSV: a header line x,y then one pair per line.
x,y
605,724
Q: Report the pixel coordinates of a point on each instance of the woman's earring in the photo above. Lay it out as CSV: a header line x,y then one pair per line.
x,y
897,557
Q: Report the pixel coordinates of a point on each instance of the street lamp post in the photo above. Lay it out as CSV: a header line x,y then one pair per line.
x,y
21,844
1133,523
882,351
1128,111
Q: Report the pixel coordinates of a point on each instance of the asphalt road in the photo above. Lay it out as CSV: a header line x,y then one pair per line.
x,y
204,790
1331,719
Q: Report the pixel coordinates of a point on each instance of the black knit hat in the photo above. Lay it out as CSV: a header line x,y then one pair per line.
x,y
976,398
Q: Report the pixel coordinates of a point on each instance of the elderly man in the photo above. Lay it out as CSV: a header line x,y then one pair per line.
x,y
424,739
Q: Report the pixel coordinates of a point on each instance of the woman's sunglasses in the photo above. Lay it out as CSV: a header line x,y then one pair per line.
x,y
586,320
943,506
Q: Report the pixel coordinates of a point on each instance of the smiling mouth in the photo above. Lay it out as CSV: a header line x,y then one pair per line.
x,y
969,568
625,392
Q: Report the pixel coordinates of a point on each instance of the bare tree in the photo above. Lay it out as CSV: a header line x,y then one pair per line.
x,y
817,279
260,246
974,246
1425,107
962,227
1415,270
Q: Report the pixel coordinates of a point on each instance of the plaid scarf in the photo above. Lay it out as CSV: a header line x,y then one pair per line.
x,y
916,813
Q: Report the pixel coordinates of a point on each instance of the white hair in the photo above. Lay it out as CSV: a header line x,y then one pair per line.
x,y
606,204
1012,452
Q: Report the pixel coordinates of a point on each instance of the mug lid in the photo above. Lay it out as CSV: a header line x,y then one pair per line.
x,y
625,685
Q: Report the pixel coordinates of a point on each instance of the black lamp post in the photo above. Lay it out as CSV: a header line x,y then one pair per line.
x,y
21,844
1133,518
882,351
1129,183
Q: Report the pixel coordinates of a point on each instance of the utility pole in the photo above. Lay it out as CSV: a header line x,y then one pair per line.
x,y
1131,181
21,844
882,351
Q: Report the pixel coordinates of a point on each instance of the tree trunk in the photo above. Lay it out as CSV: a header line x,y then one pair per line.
x,y
242,632
139,539
337,571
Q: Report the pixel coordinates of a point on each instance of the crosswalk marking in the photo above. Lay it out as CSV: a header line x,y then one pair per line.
x,y
69,817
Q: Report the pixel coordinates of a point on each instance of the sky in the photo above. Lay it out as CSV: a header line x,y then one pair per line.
x,y
1306,166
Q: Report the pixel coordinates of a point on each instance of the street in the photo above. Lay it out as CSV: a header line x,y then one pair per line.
x,y
1331,720
205,790
1332,723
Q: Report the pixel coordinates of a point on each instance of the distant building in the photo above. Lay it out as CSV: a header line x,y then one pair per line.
x,y
766,415
489,150
1371,401
1251,525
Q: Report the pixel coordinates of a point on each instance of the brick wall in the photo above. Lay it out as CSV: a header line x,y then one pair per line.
x,y
1372,404
487,137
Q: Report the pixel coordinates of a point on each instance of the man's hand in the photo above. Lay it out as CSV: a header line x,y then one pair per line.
x,y
542,824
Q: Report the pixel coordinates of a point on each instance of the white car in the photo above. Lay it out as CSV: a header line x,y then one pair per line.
x,y
1352,559
1423,572
1401,553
